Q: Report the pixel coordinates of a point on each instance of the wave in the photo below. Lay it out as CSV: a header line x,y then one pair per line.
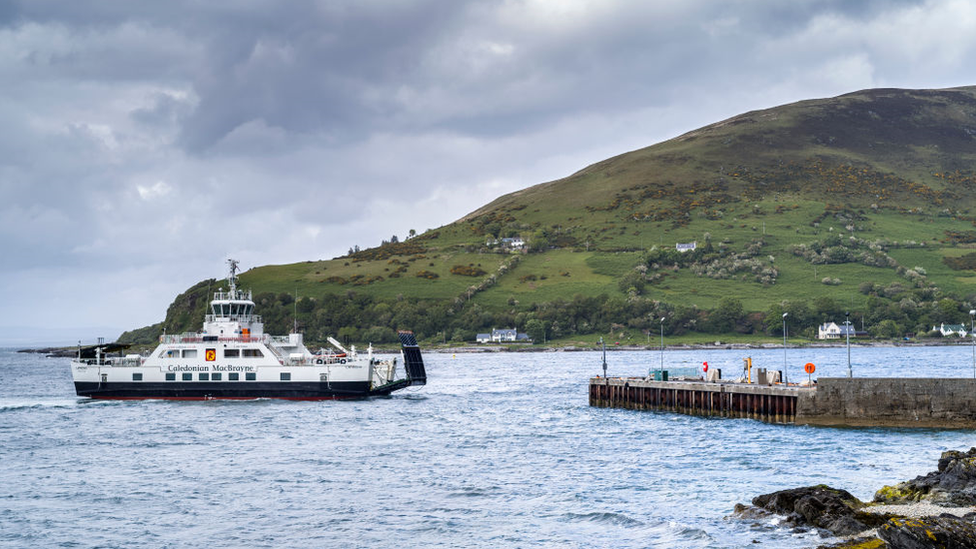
x,y
9,404
616,519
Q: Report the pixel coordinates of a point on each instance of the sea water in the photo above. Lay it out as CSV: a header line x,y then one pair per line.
x,y
498,450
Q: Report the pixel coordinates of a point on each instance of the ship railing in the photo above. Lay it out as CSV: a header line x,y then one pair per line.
x,y
234,318
115,361
201,338
239,295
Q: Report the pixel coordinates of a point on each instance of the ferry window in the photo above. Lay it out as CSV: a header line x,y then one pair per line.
x,y
232,353
226,309
234,377
170,353
250,376
285,376
189,353
136,377
187,377
215,377
204,377
253,353
170,377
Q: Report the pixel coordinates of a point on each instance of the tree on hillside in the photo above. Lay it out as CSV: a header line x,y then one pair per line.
x,y
886,329
536,329
727,315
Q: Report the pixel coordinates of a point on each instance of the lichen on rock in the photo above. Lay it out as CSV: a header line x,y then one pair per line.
x,y
954,483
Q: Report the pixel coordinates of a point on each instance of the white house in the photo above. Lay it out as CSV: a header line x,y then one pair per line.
x,y
832,330
505,334
513,243
690,247
949,330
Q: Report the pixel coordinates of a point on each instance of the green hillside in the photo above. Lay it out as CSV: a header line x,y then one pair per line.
x,y
857,203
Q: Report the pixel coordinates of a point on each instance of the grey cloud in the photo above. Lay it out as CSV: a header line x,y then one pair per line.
x,y
160,136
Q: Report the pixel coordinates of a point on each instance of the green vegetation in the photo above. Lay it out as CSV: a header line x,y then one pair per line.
x,y
853,204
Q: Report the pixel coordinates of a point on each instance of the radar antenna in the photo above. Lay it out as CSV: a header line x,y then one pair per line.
x,y
232,279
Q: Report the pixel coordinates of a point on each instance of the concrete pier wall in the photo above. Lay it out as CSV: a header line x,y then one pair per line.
x,y
890,402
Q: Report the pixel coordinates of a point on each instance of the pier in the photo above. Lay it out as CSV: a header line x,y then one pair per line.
x,y
771,403
942,403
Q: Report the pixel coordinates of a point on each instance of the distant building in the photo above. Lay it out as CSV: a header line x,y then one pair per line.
x,y
515,243
950,330
832,330
690,247
504,335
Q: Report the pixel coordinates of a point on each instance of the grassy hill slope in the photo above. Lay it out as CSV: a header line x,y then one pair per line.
x,y
856,203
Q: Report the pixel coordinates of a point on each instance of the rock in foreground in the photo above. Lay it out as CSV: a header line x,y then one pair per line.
x,y
909,515
954,483
830,509
942,531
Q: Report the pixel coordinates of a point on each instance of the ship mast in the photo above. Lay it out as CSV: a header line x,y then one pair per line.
x,y
232,279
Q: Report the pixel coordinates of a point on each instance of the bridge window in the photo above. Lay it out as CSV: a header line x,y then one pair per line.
x,y
253,353
232,353
189,353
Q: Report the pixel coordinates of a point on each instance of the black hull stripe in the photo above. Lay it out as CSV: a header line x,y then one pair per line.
x,y
238,390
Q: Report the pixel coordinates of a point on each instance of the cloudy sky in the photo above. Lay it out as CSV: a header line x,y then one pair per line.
x,y
143,143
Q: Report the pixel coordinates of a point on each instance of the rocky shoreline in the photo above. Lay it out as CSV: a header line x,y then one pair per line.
x,y
937,510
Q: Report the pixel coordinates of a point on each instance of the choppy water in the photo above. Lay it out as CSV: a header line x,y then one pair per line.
x,y
499,450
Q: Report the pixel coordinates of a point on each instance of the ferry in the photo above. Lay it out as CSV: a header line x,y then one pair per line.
x,y
232,358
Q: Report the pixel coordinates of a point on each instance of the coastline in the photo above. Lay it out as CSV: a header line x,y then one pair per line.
x,y
67,352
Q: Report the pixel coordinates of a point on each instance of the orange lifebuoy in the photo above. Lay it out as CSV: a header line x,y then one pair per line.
x,y
809,368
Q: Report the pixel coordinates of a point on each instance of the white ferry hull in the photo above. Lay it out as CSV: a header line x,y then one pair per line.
x,y
231,390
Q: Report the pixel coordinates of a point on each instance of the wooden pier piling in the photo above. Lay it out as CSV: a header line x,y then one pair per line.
x,y
771,403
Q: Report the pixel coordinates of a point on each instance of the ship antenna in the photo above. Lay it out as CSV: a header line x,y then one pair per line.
x,y
232,279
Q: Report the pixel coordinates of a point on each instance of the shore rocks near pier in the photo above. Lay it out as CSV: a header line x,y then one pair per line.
x,y
954,483
830,509
943,531
932,511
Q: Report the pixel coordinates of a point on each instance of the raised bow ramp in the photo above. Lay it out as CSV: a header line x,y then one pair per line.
x,y
413,362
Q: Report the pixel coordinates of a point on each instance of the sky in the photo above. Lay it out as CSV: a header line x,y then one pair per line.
x,y
142,144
